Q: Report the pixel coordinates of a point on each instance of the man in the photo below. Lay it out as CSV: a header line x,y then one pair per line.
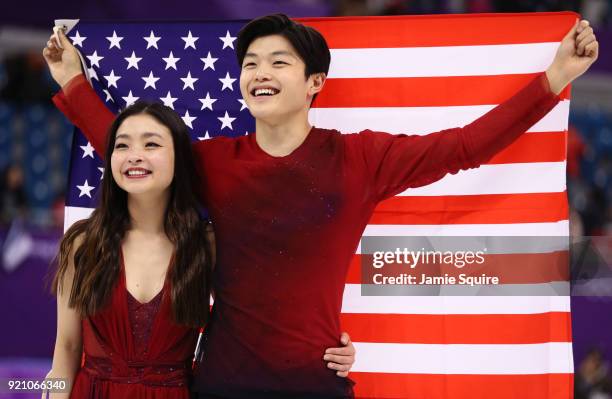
x,y
289,202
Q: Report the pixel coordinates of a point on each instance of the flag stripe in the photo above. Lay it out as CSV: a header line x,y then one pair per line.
x,y
498,245
550,357
560,228
354,302
528,268
484,291
458,329
421,120
442,30
422,91
541,177
472,209
541,147
73,214
455,386
441,61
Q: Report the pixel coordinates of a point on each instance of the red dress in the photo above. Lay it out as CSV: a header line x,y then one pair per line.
x,y
135,350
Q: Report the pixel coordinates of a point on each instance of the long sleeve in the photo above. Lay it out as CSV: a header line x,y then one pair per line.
x,y
396,162
81,105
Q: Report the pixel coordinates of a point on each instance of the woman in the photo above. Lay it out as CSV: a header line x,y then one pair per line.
x,y
133,279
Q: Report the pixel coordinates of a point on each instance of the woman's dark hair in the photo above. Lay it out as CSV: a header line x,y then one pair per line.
x,y
97,259
307,42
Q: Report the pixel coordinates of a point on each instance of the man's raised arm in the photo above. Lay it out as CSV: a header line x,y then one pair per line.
x,y
398,162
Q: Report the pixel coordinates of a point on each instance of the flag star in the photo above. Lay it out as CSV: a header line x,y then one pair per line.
x,y
205,137
95,59
152,40
188,119
168,100
130,99
93,74
85,189
133,61
189,81
226,121
243,104
228,40
207,102
209,62
227,82
101,173
190,40
112,79
115,41
150,80
108,96
171,61
77,39
87,150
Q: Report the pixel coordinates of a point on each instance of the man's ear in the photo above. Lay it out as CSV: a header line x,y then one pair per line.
x,y
317,82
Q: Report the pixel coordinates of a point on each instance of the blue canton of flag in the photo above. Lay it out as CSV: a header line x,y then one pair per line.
x,y
190,67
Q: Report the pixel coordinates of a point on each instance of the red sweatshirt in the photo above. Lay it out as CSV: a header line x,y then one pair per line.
x,y
287,227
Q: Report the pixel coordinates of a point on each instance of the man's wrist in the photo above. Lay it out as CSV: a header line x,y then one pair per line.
x,y
556,80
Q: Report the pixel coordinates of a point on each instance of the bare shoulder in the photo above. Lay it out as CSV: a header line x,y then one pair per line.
x,y
78,241
76,244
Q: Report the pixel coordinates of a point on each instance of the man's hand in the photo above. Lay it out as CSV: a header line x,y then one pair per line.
x,y
341,359
62,58
578,50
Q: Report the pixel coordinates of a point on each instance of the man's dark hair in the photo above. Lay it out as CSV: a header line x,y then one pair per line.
x,y
308,42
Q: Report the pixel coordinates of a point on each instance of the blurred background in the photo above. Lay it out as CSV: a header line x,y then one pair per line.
x,y
35,143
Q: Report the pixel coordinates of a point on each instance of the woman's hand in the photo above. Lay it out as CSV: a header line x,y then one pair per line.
x,y
62,58
341,359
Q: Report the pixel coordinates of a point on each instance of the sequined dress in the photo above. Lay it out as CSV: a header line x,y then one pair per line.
x,y
135,350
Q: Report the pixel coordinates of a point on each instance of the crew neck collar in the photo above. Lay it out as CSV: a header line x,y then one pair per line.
x,y
296,153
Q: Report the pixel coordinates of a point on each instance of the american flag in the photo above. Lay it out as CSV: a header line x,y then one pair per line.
x,y
400,74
